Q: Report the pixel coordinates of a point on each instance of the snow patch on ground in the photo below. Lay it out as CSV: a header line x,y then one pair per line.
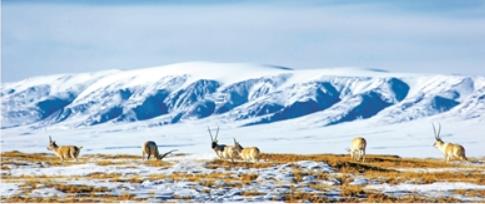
x,y
423,188
82,170
438,189
47,192
8,189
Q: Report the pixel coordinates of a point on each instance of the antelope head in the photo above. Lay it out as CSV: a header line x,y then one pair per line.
x,y
52,144
214,140
438,141
237,145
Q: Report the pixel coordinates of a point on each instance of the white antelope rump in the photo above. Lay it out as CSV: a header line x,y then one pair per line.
x,y
357,149
223,151
65,151
249,154
450,150
150,148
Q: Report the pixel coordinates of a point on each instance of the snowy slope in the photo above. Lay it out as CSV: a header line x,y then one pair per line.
x,y
233,92
277,108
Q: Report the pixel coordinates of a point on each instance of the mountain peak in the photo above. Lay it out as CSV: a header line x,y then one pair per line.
x,y
236,92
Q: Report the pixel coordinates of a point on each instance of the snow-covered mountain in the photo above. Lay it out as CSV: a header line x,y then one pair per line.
x,y
244,94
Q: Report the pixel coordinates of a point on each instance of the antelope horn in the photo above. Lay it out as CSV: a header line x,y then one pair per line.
x,y
434,131
50,139
217,133
210,134
166,154
439,130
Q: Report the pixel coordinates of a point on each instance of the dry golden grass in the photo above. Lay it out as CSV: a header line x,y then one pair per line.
x,y
16,158
470,192
73,193
95,175
196,177
425,178
321,187
13,157
102,175
19,158
352,191
298,174
77,189
383,168
208,179
108,163
301,197
251,193
157,163
248,178
228,165
94,198
181,176
376,197
132,179
353,194
378,167
373,162
114,156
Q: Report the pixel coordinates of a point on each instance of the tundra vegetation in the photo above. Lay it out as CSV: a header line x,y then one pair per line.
x,y
42,177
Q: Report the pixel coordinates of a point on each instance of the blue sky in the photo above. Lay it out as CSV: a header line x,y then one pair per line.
x,y
432,36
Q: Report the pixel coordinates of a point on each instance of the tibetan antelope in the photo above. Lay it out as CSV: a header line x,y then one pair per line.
x,y
65,151
357,149
218,148
150,148
249,154
451,151
223,151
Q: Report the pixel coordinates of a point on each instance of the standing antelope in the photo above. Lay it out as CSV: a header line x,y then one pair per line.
x,y
247,153
65,151
223,151
150,148
357,149
218,148
451,151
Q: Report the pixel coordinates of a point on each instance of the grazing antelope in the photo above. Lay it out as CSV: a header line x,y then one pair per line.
x,y
150,148
451,151
249,154
357,149
65,151
223,151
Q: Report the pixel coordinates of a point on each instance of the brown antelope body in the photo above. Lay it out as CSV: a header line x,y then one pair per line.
x,y
65,151
357,149
450,150
249,154
150,148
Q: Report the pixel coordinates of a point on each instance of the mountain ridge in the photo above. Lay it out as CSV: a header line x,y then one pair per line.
x,y
228,92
